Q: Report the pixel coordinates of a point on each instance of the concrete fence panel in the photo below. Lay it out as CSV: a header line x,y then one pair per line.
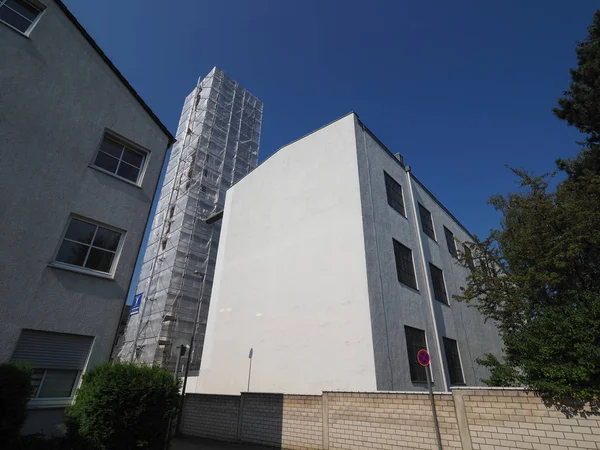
x,y
469,419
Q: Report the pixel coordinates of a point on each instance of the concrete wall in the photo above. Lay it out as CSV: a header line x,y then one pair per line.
x,y
470,419
393,304
290,280
57,96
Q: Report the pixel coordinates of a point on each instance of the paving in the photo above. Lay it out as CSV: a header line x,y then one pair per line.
x,y
208,444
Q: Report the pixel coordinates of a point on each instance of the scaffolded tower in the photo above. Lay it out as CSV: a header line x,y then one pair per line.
x,y
217,144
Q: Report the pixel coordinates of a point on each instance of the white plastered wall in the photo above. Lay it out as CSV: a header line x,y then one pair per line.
x,y
290,279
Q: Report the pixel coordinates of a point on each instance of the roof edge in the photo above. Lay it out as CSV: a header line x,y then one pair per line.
x,y
387,150
116,71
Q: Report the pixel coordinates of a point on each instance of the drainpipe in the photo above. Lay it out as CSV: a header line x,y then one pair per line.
x,y
427,279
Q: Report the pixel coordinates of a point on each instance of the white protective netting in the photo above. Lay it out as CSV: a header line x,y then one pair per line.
x,y
217,144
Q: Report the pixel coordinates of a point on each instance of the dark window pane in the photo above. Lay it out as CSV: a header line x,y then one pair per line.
x,y
133,158
58,383
437,279
12,18
99,260
107,162
107,239
23,8
80,231
111,147
453,361
72,253
36,379
394,194
404,265
128,172
415,341
450,242
426,222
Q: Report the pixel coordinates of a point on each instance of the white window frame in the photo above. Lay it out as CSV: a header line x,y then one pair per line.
x,y
80,269
37,401
126,143
34,4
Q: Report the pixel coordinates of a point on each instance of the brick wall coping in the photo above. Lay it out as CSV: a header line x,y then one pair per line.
x,y
203,394
481,388
387,392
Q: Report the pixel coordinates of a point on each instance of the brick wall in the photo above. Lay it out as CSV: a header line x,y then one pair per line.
x,y
389,421
302,422
471,419
513,419
212,416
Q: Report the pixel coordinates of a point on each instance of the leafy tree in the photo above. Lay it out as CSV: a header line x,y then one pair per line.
x,y
538,276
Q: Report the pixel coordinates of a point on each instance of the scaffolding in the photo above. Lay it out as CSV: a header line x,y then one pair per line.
x,y
217,144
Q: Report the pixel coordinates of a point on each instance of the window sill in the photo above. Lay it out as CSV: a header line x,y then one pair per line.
x,y
68,268
409,287
125,180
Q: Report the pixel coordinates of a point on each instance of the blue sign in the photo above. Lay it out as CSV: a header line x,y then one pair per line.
x,y
137,301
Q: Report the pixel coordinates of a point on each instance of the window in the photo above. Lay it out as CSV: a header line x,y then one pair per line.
x,y
120,160
57,360
89,246
18,14
426,222
404,265
450,242
453,361
469,257
415,341
394,194
439,288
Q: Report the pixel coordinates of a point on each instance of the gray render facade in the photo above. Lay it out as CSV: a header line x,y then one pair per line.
x,y
217,145
81,159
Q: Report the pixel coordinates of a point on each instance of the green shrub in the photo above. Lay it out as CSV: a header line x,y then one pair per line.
x,y
123,406
15,390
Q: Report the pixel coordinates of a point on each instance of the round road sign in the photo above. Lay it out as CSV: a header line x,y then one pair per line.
x,y
423,357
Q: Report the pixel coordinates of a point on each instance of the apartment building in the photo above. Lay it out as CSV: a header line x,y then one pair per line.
x,y
336,265
81,159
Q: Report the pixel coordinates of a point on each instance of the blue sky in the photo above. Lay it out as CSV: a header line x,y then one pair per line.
x,y
459,88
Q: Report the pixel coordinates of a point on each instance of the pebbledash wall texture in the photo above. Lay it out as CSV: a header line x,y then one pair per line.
x,y
470,419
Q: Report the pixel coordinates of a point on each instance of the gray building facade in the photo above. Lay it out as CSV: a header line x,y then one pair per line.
x,y
81,158
217,145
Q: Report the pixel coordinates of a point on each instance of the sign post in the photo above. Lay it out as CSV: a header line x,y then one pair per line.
x,y
250,354
424,360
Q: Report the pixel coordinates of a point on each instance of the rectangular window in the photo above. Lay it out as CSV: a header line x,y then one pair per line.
x,y
453,361
404,265
18,14
439,288
426,222
450,242
415,341
57,360
120,160
89,246
394,194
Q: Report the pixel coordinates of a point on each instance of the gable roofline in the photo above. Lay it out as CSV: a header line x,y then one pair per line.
x,y
116,71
